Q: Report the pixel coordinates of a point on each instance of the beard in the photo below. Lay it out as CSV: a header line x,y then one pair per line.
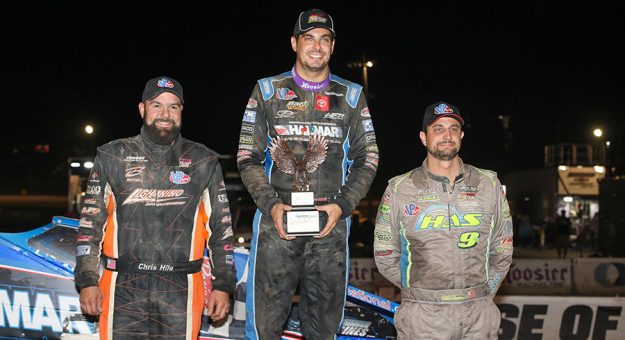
x,y
444,155
161,136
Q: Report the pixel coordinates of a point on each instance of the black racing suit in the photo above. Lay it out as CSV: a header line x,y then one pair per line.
x,y
278,107
149,211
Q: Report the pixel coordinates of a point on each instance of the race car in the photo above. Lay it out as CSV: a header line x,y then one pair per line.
x,y
39,300
37,291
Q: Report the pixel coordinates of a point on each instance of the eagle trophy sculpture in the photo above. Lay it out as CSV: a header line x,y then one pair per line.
x,y
284,158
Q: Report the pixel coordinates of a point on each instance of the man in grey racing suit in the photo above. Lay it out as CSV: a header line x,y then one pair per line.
x,y
293,111
443,234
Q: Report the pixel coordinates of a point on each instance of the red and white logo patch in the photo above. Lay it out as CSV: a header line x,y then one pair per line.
x,y
322,103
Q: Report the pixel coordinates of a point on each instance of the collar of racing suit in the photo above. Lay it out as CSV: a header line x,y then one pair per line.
x,y
163,153
443,179
308,85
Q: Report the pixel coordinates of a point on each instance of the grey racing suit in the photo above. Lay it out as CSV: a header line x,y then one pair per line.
x,y
149,212
448,246
279,108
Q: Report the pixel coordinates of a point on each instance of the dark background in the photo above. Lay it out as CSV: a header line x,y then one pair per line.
x,y
552,68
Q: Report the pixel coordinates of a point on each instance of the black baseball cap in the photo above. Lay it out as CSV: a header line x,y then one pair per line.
x,y
313,18
154,87
439,110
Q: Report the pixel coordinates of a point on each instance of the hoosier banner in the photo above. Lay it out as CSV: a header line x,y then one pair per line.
x,y
532,277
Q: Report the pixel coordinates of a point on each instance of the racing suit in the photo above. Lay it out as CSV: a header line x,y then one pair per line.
x,y
278,107
149,212
448,246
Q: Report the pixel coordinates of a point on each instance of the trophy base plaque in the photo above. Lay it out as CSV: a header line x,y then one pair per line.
x,y
303,219
302,223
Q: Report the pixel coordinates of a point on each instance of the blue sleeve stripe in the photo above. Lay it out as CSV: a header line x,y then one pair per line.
x,y
268,159
347,163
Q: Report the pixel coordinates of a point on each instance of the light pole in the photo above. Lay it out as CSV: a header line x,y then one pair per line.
x,y
601,147
608,163
90,130
365,75
365,65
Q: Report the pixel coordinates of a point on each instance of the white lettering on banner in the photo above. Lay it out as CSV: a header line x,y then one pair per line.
x,y
549,317
16,312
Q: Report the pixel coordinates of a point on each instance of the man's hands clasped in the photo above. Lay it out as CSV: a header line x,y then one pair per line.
x,y
278,210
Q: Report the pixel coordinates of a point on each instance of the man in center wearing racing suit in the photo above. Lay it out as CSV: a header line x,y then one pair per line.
x,y
294,106
152,203
443,234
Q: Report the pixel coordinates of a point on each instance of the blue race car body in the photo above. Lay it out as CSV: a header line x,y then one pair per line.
x,y
38,297
39,300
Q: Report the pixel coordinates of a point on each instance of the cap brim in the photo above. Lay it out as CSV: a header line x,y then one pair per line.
x,y
158,93
456,117
313,27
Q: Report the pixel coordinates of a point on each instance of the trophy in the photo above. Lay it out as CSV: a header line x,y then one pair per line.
x,y
304,218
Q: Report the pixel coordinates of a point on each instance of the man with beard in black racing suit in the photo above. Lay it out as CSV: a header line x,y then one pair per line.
x,y
293,111
153,203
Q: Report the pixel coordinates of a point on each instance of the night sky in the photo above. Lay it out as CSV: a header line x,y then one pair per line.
x,y
553,68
